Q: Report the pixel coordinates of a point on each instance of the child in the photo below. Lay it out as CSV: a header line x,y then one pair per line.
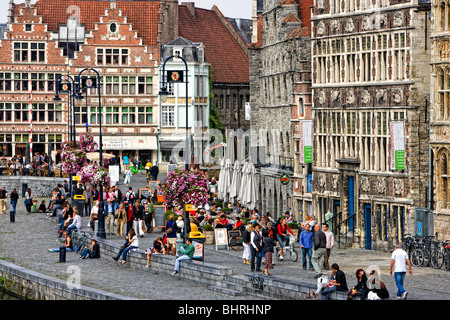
x,y
42,207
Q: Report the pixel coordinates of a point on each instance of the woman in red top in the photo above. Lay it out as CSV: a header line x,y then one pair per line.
x,y
237,223
282,235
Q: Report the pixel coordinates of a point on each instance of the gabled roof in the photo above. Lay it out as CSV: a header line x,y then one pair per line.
x,y
229,61
143,15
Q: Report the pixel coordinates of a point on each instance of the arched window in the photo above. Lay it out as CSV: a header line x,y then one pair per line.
x,y
443,181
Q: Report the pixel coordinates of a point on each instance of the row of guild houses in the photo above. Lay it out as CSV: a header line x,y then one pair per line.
x,y
344,108
123,44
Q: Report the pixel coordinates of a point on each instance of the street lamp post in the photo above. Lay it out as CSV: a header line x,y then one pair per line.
x,y
68,87
89,83
164,93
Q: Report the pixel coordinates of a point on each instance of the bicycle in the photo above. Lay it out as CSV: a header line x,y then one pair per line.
x,y
437,255
81,240
141,169
235,241
293,253
447,255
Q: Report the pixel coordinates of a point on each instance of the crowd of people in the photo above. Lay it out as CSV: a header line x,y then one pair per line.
x,y
129,215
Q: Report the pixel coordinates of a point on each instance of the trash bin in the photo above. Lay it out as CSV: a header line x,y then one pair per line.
x,y
198,240
62,254
12,216
78,202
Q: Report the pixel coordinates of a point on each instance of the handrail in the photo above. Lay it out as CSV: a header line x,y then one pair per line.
x,y
341,228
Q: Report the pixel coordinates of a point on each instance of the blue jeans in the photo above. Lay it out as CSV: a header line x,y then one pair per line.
x,y
283,240
326,293
14,203
177,261
86,252
307,252
258,256
125,252
57,250
399,279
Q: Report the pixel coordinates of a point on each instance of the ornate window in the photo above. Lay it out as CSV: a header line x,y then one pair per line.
x,y
443,179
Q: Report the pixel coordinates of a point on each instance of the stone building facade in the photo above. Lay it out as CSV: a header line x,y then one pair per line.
x,y
439,117
279,72
370,67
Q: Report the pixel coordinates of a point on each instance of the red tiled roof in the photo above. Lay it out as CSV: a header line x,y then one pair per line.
x,y
143,15
229,61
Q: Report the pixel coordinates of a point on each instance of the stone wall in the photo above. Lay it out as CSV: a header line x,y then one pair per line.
x,y
40,186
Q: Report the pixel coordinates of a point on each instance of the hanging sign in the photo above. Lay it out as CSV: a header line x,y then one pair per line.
x,y
306,139
175,76
397,132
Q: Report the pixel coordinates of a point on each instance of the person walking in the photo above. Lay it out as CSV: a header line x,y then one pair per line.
x,y
28,200
306,243
121,217
320,248
269,244
87,200
14,198
399,260
127,174
109,213
246,255
330,244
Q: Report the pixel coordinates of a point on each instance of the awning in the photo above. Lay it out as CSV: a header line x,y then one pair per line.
x,y
128,142
169,145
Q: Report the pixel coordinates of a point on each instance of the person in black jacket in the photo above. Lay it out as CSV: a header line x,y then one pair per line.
x,y
246,243
360,288
138,217
14,198
320,248
154,171
93,251
337,282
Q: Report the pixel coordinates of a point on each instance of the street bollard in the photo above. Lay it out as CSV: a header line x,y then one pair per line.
x,y
62,254
12,216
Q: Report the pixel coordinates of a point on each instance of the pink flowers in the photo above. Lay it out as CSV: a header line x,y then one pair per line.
x,y
75,161
186,187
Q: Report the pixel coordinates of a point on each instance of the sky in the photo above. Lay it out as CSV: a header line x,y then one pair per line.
x,y
230,8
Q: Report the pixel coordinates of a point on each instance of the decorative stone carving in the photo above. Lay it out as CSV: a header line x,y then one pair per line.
x,y
365,184
398,19
365,97
381,185
350,99
397,95
349,25
322,180
335,182
399,186
320,28
334,25
335,95
321,97
366,23
381,95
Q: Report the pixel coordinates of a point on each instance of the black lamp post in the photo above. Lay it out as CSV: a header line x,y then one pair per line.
x,y
68,86
164,93
86,83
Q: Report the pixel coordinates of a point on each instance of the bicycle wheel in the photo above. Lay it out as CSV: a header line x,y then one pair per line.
x,y
437,259
417,257
143,171
426,258
278,255
294,255
447,262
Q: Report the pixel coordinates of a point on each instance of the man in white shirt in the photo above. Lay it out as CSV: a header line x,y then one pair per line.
x,y
76,223
399,259
330,244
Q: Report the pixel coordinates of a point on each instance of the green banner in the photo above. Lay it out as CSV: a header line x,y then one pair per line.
x,y
308,151
399,159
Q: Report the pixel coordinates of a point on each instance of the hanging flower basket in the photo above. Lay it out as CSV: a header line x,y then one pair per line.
x,y
86,142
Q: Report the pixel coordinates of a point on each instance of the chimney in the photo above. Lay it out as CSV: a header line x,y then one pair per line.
x,y
190,6
11,11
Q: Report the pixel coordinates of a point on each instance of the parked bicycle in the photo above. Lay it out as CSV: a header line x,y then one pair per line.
x,y
293,253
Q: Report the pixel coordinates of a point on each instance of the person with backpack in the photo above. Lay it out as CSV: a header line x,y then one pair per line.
x,y
256,246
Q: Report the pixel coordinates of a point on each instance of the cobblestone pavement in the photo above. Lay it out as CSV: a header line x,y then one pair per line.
x,y
26,243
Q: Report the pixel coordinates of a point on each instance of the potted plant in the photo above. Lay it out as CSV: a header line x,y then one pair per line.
x,y
208,231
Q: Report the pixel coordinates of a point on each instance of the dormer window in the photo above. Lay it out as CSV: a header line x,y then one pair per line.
x,y
178,53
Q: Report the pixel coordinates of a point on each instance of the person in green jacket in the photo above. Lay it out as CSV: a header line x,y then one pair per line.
x,y
185,252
